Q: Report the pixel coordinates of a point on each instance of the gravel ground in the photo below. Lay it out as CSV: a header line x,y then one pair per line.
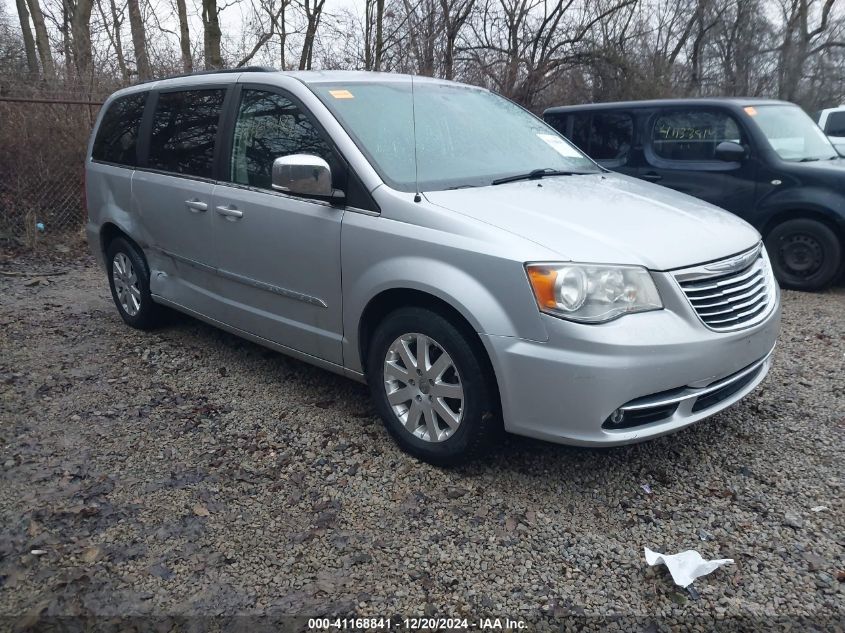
x,y
186,471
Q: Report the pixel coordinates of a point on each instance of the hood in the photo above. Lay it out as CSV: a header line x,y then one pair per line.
x,y
828,169
606,218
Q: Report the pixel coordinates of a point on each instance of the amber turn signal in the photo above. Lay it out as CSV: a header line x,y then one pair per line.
x,y
543,282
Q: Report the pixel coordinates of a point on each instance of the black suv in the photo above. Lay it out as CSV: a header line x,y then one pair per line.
x,y
766,161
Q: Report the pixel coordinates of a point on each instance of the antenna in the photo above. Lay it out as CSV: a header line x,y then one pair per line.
x,y
417,196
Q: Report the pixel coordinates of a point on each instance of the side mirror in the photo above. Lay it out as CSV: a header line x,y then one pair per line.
x,y
730,152
304,175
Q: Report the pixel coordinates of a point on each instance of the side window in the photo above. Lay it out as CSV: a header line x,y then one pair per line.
x,y
184,131
692,135
117,136
270,126
835,125
612,136
581,132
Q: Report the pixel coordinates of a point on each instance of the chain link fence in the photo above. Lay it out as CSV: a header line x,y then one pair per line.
x,y
43,145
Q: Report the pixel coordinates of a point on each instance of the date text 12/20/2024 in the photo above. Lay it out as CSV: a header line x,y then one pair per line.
x,y
413,624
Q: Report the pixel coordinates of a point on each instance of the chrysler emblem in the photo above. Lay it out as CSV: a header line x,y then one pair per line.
x,y
735,263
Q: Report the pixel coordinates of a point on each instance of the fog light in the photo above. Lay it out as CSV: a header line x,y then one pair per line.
x,y
617,416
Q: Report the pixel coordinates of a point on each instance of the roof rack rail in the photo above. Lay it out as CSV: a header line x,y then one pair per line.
x,y
242,69
217,71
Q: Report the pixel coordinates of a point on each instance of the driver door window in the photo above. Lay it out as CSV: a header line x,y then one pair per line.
x,y
692,135
270,126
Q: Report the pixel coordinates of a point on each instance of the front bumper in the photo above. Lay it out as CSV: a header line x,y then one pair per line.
x,y
565,389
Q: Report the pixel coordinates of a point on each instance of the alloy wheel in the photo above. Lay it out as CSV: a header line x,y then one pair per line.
x,y
126,284
423,387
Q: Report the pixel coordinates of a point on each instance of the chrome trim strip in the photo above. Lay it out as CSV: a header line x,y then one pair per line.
x,y
248,281
696,393
728,295
724,279
290,196
755,297
758,307
735,263
284,292
185,260
714,269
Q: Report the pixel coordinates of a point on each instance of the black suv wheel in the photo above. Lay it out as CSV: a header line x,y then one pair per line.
x,y
805,254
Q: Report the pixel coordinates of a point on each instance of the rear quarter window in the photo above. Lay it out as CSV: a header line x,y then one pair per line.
x,y
117,137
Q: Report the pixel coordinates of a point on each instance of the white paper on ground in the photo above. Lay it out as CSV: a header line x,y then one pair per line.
x,y
686,566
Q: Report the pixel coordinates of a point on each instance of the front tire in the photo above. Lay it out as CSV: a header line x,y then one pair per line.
x,y
805,254
129,280
433,387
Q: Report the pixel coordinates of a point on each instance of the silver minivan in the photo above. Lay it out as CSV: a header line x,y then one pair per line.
x,y
436,241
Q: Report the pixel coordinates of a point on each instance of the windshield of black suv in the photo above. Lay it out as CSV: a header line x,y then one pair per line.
x,y
792,133
465,137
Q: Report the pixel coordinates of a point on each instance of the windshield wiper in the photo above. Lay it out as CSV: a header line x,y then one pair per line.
x,y
808,159
534,174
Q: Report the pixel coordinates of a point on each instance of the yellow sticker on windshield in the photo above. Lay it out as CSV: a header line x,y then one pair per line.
x,y
750,111
341,94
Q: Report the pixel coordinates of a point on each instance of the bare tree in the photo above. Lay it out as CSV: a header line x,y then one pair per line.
x,y
139,40
455,15
266,29
79,21
313,10
373,34
28,40
807,31
521,46
42,40
184,36
115,37
211,34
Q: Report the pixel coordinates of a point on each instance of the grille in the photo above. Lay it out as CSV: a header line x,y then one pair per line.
x,y
731,294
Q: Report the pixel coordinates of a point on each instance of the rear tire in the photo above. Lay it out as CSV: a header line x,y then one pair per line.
x,y
129,280
805,254
442,407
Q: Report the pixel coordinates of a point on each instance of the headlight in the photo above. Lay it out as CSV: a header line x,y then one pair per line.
x,y
592,293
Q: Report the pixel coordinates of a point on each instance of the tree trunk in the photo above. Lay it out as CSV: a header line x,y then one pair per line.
x,y
80,28
373,34
184,37
42,42
117,39
211,36
139,40
67,53
369,23
313,16
379,52
28,40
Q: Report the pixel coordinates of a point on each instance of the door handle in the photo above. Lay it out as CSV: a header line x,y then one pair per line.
x,y
197,206
230,213
652,176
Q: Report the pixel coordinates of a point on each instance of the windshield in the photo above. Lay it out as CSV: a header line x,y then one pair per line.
x,y
791,133
465,137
